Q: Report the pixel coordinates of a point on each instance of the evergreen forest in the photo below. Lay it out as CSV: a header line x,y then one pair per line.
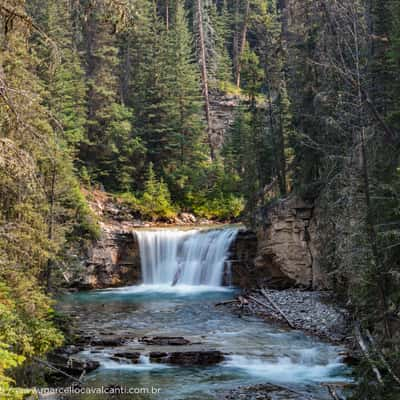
x,y
125,97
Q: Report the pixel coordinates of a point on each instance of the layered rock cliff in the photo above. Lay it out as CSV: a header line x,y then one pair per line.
x,y
288,246
283,251
112,261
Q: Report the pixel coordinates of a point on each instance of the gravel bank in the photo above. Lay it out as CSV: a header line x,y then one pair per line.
x,y
310,311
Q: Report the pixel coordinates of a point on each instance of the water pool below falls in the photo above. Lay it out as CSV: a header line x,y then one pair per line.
x,y
182,274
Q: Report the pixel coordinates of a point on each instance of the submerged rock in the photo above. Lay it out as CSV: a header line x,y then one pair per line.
x,y
209,357
165,340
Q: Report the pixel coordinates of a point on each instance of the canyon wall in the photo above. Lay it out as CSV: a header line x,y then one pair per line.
x,y
283,251
112,261
288,246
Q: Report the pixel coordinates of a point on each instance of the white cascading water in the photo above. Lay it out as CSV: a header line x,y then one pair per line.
x,y
177,257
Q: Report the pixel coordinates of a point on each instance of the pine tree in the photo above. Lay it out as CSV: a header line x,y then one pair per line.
x,y
150,95
105,111
184,90
65,82
156,199
220,65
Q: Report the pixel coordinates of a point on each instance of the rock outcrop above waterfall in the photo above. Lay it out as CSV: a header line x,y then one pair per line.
x,y
288,246
112,261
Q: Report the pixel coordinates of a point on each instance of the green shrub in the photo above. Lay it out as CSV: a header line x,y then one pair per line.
x,y
85,224
26,327
156,198
155,201
224,207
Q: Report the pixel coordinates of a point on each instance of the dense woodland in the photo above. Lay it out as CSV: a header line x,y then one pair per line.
x,y
116,94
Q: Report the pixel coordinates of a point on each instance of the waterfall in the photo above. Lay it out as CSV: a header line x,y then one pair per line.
x,y
178,257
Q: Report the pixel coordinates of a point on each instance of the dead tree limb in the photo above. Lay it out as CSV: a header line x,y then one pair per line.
x,y
365,350
381,357
204,74
261,303
51,366
222,303
333,393
243,301
265,294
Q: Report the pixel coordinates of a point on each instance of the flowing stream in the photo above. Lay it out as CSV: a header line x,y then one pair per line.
x,y
182,277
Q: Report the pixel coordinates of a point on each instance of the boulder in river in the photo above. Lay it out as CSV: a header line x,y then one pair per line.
x,y
207,357
132,356
109,341
72,366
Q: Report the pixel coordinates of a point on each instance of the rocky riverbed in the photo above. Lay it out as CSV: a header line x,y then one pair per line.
x,y
180,341
263,392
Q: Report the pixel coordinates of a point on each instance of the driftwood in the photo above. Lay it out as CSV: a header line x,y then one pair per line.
x,y
243,301
240,299
382,358
365,350
332,392
261,303
222,303
265,294
51,366
303,395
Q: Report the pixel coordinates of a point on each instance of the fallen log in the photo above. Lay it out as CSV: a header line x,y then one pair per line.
x,y
333,393
382,358
302,395
222,303
265,294
51,366
261,303
243,301
365,350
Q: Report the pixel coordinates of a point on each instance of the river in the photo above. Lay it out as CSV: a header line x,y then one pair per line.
x,y
183,275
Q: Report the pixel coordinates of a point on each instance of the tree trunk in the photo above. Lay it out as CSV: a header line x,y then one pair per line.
x,y
236,39
283,7
50,234
204,76
372,235
167,14
281,156
243,37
